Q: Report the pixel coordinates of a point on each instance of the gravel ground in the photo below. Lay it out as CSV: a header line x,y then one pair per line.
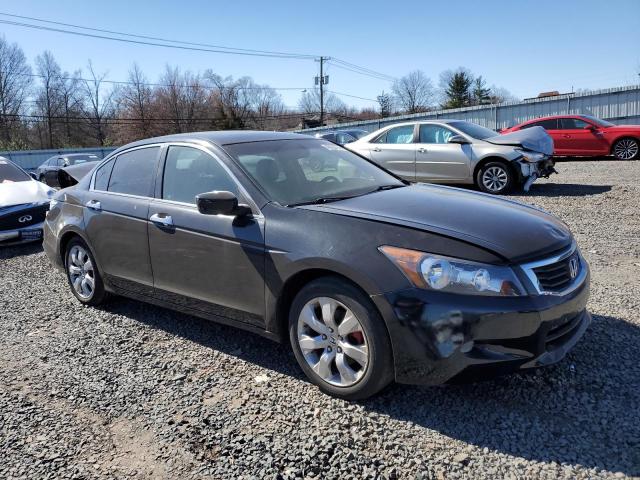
x,y
131,390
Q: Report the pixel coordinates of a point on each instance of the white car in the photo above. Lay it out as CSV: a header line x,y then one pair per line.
x,y
455,151
24,203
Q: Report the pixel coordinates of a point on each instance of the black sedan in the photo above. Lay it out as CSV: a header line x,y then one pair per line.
x,y
368,278
48,171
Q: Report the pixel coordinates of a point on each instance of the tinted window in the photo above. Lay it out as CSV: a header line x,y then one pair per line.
x,y
572,124
298,171
598,121
9,173
550,124
473,130
134,171
189,172
434,134
102,176
343,138
402,134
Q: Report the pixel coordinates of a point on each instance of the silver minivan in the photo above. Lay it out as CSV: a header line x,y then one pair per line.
x,y
459,152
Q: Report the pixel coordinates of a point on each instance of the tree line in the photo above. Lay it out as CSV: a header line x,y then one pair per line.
x,y
47,107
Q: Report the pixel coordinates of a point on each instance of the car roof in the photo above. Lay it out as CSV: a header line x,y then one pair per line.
x,y
219,138
552,117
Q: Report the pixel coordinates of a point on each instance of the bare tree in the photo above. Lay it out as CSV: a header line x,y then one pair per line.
x,y
99,104
71,99
181,101
414,92
48,101
385,101
15,82
309,103
135,104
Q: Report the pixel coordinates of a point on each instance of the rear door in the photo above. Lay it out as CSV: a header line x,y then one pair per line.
x,y
116,214
395,150
438,160
577,138
212,263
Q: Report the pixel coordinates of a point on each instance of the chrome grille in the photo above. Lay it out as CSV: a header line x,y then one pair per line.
x,y
557,276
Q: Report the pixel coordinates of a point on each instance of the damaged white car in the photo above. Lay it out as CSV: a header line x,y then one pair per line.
x,y
24,203
459,152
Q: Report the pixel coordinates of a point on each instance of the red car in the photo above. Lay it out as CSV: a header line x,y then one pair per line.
x,y
587,136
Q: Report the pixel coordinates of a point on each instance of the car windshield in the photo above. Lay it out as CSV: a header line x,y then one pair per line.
x,y
294,172
597,121
9,173
473,130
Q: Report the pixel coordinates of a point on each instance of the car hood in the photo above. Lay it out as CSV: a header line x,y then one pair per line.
x,y
18,193
535,139
71,175
509,229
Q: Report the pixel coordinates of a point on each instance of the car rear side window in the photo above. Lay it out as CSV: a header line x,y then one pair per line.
x,y
572,124
190,171
134,171
101,180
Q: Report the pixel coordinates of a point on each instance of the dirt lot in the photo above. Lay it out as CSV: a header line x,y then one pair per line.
x,y
131,390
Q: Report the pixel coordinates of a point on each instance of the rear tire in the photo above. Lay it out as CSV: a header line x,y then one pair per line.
x,y
626,149
339,339
82,273
496,177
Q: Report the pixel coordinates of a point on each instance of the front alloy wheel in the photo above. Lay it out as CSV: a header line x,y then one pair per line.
x,y
82,273
339,339
626,149
496,178
333,341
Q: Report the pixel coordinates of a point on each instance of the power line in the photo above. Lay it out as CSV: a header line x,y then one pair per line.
x,y
352,96
154,44
284,54
361,70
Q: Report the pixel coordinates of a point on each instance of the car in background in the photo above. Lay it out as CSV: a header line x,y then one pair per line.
x,y
455,151
369,278
342,137
48,171
587,136
23,205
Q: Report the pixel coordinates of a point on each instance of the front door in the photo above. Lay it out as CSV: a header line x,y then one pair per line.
x,y
395,151
578,137
440,161
115,215
211,263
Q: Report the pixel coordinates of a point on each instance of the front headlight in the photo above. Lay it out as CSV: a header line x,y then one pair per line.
x,y
529,156
445,274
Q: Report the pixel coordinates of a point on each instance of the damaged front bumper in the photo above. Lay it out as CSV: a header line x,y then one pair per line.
x,y
530,171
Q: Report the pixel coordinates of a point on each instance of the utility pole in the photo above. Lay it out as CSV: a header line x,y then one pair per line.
x,y
321,81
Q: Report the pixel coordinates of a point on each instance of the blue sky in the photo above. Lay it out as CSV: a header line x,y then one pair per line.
x,y
524,46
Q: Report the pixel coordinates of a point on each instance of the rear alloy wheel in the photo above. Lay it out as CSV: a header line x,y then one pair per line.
x,y
495,177
82,273
626,149
339,339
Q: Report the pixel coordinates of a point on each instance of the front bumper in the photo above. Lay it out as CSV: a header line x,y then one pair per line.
x,y
437,337
32,233
529,172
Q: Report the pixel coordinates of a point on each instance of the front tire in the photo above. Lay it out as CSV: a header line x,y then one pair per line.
x,y
626,149
339,339
82,273
496,177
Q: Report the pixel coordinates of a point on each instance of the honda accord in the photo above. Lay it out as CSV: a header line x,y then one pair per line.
x,y
369,278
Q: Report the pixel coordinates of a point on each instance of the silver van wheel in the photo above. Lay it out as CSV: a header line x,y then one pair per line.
x,y
81,272
333,341
495,178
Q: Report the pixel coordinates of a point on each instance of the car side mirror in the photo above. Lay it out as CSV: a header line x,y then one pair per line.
x,y
590,127
458,139
33,175
221,203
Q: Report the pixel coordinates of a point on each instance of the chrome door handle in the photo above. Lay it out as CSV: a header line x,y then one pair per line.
x,y
93,205
161,221
422,150
377,149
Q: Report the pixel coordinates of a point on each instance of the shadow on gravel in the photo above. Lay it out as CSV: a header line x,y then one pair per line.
x,y
564,190
583,411
20,250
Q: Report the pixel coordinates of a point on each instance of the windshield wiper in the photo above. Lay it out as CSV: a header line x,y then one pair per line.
x,y
321,200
